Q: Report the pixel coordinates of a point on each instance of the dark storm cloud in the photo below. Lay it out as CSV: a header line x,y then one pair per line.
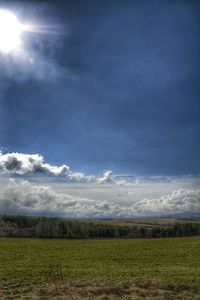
x,y
126,91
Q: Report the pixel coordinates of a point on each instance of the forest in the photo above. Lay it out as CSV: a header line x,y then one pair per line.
x,y
45,227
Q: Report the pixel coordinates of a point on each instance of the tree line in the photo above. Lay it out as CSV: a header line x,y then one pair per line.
x,y
44,227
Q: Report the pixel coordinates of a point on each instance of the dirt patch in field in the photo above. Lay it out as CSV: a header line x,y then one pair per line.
x,y
126,291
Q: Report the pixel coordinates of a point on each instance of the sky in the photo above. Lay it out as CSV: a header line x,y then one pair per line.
x,y
98,86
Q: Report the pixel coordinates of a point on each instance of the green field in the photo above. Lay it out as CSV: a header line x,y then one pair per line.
x,y
100,269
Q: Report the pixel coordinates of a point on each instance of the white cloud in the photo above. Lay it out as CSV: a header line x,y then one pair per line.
x,y
177,202
107,178
91,196
33,164
21,164
23,197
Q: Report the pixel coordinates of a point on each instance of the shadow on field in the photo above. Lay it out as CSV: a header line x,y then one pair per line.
x,y
126,291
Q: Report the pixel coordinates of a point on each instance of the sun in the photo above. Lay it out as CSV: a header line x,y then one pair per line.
x,y
10,31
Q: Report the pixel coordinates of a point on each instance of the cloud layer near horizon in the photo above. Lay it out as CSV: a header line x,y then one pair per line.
x,y
23,197
34,164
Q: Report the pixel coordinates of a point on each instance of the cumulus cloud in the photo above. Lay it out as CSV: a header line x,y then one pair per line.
x,y
23,197
107,178
33,164
177,202
21,164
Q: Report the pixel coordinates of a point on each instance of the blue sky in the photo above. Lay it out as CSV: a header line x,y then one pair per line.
x,y
115,87
96,86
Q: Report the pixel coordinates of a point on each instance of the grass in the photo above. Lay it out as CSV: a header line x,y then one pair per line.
x,y
100,269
